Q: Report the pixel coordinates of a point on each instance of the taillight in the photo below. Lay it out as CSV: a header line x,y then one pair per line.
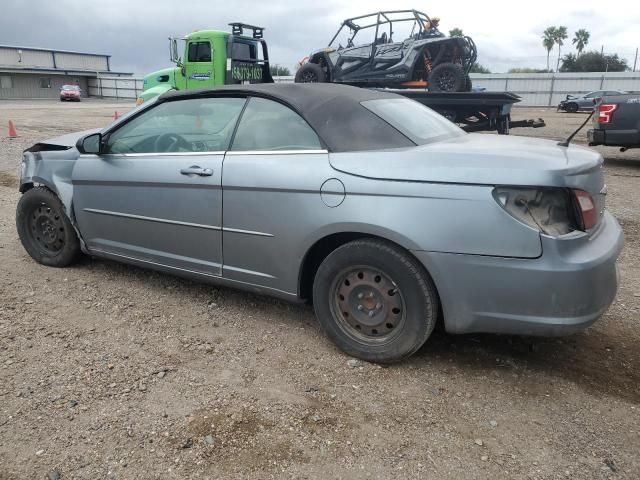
x,y
587,209
550,210
605,112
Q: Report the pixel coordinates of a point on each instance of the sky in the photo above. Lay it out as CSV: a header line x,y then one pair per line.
x,y
134,32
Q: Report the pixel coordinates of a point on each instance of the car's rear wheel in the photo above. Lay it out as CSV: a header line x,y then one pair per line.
x,y
572,107
375,300
310,73
44,229
447,77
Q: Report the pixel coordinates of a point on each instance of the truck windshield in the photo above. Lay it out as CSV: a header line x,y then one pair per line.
x,y
418,123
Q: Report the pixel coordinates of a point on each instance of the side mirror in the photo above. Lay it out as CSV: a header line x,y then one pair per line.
x,y
91,144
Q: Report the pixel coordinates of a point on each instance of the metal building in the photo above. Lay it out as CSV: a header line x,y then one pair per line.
x,y
27,72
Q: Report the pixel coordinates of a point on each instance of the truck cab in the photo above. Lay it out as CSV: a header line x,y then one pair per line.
x,y
212,58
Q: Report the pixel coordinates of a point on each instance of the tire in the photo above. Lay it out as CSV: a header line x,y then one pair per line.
x,y
310,73
572,107
44,229
375,301
447,77
468,85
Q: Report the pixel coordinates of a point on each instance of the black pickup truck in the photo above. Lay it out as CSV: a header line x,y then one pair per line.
x,y
616,122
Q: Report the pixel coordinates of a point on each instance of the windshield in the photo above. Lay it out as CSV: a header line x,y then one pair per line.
x,y
418,123
70,87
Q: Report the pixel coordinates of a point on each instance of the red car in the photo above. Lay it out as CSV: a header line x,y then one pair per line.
x,y
70,93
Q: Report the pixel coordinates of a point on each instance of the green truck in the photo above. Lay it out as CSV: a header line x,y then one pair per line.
x,y
212,58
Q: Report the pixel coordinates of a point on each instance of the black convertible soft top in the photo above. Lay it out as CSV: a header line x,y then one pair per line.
x,y
333,111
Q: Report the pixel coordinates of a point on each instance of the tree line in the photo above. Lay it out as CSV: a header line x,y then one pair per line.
x,y
581,61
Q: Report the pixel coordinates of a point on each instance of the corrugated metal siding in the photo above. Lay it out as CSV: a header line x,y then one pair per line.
x,y
73,61
14,57
28,85
547,89
535,89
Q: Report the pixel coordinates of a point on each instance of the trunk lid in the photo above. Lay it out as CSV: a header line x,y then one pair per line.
x,y
480,159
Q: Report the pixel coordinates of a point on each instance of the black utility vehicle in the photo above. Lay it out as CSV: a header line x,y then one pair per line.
x,y
426,58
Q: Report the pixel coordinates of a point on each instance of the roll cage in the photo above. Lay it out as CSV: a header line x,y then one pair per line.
x,y
388,18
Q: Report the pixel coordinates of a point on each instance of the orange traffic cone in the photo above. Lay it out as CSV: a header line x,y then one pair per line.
x,y
116,115
12,130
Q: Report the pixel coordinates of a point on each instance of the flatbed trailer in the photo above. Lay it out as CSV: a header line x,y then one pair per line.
x,y
473,111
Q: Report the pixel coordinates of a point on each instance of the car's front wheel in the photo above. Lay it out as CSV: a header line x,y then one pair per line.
x,y
572,107
375,300
44,229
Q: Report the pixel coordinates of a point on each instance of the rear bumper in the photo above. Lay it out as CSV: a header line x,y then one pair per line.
x,y
614,138
565,290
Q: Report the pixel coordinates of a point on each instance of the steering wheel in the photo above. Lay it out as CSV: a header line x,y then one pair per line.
x,y
170,142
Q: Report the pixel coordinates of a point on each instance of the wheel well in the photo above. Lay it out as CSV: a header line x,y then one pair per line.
x,y
322,248
316,254
26,187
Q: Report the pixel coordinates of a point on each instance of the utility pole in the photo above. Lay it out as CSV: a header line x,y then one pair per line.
x,y
635,62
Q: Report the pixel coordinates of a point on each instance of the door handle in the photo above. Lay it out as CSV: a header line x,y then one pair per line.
x,y
196,170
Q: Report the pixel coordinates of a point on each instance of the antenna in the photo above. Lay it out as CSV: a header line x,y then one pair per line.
x,y
570,137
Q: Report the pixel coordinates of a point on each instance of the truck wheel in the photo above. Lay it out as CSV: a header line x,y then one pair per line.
x,y
572,107
310,73
44,229
447,77
375,300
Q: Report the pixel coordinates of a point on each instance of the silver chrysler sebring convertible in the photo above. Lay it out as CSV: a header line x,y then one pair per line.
x,y
374,208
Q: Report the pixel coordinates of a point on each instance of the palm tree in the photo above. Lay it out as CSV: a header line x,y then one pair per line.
x,y
580,40
560,36
548,41
456,32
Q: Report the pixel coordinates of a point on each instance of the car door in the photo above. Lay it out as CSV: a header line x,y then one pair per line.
x,y
199,65
154,195
272,179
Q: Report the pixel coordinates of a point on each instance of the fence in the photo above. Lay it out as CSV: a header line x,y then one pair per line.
x,y
115,87
536,89
547,89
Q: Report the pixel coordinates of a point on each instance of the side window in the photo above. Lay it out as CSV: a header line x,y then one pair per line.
x,y
190,125
269,125
243,51
199,52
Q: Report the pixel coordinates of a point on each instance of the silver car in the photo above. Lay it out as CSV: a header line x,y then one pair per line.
x,y
587,101
384,215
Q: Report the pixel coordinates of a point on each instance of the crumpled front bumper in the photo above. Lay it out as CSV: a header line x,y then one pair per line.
x,y
563,291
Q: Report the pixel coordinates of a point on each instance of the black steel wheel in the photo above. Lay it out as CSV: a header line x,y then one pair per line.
x,y
44,229
310,73
447,77
572,107
367,304
375,300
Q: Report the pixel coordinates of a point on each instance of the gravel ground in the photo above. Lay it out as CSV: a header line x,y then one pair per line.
x,y
112,371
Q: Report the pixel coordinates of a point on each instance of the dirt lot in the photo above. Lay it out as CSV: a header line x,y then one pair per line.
x,y
111,371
